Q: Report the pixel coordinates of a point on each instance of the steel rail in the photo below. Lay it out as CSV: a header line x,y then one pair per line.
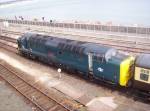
x,y
7,72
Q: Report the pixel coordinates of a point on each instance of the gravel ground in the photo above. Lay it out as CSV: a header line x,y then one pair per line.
x,y
94,96
10,100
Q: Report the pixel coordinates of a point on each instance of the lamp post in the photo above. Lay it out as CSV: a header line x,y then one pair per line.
x,y
59,72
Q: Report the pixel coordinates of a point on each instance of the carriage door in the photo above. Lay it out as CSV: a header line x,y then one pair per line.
x,y
90,62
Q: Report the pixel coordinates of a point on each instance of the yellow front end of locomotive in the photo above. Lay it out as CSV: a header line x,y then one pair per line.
x,y
126,71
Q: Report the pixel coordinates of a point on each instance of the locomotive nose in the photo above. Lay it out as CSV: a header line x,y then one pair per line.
x,y
126,71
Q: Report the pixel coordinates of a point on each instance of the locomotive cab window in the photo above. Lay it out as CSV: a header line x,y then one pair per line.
x,y
99,58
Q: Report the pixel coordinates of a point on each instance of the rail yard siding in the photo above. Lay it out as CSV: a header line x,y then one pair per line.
x,y
96,27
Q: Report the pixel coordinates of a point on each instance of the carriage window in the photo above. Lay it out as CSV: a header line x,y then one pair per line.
x,y
144,71
144,77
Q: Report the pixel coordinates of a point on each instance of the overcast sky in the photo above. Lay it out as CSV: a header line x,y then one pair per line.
x,y
5,0
122,11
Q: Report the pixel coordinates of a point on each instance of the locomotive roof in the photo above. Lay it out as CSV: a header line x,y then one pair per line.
x,y
143,60
100,50
82,47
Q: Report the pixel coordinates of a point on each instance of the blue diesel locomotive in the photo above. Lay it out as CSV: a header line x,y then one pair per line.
x,y
90,59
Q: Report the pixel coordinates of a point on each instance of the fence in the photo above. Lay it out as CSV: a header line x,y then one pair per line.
x,y
89,27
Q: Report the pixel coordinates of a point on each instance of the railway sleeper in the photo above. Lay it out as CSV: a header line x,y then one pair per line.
x,y
33,93
4,71
54,108
48,104
26,89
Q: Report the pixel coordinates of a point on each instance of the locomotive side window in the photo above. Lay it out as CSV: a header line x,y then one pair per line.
x,y
144,77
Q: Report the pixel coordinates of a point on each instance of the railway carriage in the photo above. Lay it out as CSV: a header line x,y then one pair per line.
x,y
142,74
90,59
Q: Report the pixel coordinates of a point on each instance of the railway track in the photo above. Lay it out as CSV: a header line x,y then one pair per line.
x,y
35,96
11,32
8,47
38,97
9,39
123,45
